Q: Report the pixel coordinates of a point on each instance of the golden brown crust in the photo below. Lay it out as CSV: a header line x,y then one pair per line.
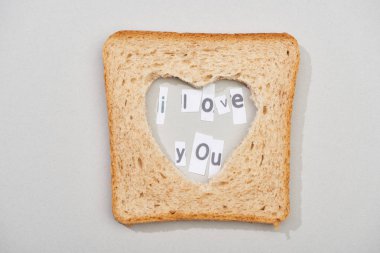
x,y
199,36
127,217
198,216
288,119
187,36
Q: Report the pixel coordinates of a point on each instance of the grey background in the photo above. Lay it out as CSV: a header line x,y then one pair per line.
x,y
181,126
54,147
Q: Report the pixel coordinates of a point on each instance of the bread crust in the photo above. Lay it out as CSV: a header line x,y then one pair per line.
x,y
128,205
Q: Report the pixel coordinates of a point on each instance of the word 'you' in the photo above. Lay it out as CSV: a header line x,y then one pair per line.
x,y
205,101
205,151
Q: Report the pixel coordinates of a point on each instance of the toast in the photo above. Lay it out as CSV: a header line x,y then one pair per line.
x,y
253,185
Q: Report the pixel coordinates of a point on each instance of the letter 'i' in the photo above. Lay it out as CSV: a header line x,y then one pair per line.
x,y
162,105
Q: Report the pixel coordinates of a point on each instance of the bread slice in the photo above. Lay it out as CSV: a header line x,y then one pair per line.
x,y
253,185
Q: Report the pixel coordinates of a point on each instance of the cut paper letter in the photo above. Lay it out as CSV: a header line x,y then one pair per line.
x,y
238,109
207,106
180,153
161,106
216,157
200,153
191,100
222,104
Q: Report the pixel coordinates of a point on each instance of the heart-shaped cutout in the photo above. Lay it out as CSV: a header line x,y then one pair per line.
x,y
176,129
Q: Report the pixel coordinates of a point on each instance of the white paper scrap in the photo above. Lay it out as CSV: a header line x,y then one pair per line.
x,y
215,157
207,106
161,106
238,108
221,104
180,153
200,153
191,100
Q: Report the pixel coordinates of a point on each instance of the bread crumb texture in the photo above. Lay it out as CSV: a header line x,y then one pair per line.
x,y
253,185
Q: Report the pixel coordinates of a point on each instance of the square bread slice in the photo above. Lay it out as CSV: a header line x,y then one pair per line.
x,y
253,185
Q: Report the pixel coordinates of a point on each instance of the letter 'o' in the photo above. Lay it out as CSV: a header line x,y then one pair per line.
x,y
207,150
210,105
